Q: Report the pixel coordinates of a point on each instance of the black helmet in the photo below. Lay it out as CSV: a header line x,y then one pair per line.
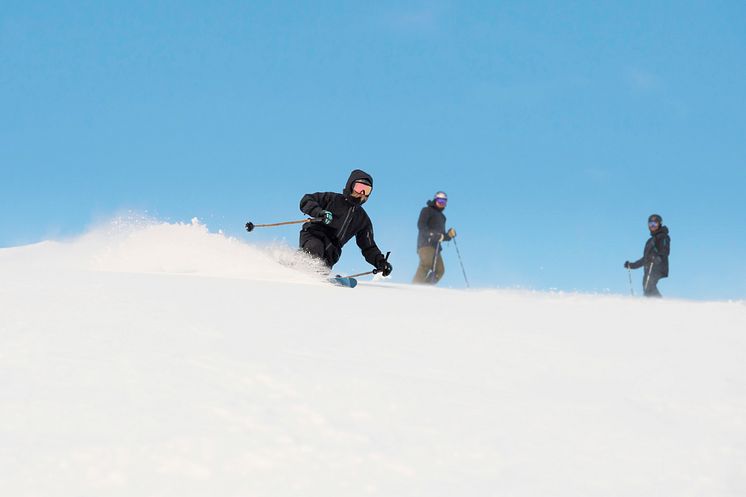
x,y
655,217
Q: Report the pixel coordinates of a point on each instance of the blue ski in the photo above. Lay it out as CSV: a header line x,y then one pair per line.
x,y
341,281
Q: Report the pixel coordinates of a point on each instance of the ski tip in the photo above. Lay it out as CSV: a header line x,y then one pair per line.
x,y
346,282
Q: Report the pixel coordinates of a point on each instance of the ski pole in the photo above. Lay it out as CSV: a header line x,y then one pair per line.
x,y
631,288
647,279
430,278
250,226
375,271
461,262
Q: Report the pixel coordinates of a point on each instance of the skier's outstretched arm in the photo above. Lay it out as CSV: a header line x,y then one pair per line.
x,y
637,264
370,250
314,203
367,244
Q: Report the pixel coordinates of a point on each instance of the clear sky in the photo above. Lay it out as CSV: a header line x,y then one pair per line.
x,y
555,127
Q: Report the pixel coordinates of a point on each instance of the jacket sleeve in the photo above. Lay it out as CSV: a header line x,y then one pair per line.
x,y
313,203
637,264
367,244
423,224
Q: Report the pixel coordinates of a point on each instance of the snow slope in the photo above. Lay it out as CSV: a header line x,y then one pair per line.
x,y
153,359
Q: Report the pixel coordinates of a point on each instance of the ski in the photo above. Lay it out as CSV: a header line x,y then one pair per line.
x,y
344,281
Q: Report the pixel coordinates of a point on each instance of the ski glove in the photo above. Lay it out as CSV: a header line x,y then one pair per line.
x,y
626,265
325,217
383,266
452,233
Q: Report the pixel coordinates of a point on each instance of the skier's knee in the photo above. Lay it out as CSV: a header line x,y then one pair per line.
x,y
314,247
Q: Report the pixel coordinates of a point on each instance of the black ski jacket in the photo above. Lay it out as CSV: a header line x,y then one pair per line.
x,y
657,249
348,219
431,224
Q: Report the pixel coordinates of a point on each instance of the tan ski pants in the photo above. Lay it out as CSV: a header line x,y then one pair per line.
x,y
426,264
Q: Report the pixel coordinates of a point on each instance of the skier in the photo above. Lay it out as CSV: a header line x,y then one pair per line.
x,y
655,256
342,217
432,232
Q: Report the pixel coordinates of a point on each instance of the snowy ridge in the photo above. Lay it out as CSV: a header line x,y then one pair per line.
x,y
161,359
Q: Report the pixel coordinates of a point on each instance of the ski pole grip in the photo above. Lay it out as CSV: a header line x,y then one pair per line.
x,y
376,271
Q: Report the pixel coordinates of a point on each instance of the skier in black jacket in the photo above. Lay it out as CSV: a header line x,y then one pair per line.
x,y
655,256
431,227
342,217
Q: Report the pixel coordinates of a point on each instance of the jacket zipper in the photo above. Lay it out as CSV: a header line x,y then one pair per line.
x,y
345,224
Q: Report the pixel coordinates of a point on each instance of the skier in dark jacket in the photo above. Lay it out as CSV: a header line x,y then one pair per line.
x,y
341,217
655,256
432,231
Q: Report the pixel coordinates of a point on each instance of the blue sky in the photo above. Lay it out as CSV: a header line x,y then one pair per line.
x,y
555,127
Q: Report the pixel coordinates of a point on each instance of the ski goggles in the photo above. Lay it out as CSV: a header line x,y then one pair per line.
x,y
653,224
441,202
362,189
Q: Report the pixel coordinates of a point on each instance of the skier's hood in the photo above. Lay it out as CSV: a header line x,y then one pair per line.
x,y
431,203
356,175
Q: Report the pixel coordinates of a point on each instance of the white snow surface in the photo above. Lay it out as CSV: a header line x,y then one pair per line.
x,y
156,359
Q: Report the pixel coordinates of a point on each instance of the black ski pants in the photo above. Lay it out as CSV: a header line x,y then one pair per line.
x,y
318,246
650,285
